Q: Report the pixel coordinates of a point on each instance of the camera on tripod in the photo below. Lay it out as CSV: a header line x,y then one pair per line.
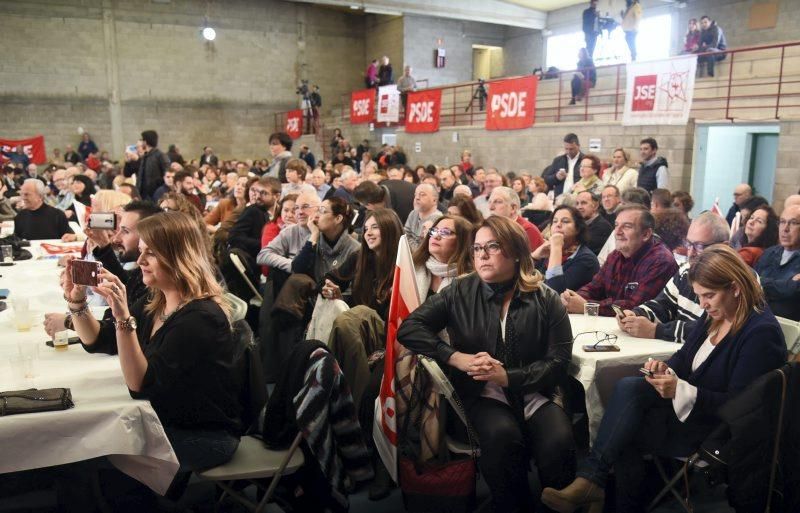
x,y
480,95
303,89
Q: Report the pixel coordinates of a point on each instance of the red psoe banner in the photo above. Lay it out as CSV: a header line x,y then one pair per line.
x,y
423,109
362,106
294,123
33,147
511,103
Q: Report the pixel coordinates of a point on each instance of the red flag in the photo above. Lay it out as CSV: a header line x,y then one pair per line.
x,y
362,106
511,103
405,300
294,123
422,111
715,208
33,148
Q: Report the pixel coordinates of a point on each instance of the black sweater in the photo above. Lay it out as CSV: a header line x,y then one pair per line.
x,y
245,234
194,377
45,222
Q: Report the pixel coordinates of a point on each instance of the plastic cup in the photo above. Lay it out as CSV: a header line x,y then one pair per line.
x,y
591,309
23,318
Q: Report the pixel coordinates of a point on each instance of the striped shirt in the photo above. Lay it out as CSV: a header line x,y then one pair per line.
x,y
675,309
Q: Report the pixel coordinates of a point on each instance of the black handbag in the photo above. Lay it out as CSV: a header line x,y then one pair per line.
x,y
34,401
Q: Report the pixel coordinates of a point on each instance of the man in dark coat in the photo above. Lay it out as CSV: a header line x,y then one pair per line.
x,y
152,166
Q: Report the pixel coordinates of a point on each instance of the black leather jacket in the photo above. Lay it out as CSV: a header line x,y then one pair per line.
x,y
472,320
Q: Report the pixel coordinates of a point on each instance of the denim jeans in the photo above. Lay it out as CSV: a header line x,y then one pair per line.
x,y
201,449
637,421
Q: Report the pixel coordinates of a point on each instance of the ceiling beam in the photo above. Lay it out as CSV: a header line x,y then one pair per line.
x,y
484,11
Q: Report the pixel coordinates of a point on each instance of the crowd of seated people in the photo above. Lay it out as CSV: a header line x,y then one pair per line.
x,y
500,261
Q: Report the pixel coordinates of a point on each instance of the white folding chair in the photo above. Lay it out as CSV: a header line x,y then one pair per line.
x,y
253,461
791,332
237,263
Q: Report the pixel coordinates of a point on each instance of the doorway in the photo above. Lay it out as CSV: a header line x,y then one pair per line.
x,y
726,156
487,62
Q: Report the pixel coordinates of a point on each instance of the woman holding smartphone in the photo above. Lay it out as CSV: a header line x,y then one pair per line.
x,y
175,345
671,410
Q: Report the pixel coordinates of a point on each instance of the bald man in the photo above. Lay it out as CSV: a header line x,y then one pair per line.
x,y
741,193
779,267
426,198
38,220
794,199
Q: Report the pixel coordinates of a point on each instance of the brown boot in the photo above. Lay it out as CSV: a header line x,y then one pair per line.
x,y
581,492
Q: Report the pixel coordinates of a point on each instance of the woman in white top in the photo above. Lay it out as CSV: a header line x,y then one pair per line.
x,y
619,173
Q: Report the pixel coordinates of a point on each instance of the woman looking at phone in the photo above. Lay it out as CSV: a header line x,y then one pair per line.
x,y
671,413
175,345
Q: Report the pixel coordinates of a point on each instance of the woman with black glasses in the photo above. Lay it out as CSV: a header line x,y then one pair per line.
x,y
510,345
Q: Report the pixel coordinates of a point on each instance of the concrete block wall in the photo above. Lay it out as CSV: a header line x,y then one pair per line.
x,y
56,71
384,36
422,33
787,171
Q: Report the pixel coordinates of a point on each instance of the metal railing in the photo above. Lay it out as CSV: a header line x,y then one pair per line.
x,y
760,83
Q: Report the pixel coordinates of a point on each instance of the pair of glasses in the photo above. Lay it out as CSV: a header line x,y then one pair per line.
x,y
490,248
262,193
602,339
441,232
790,223
305,208
698,247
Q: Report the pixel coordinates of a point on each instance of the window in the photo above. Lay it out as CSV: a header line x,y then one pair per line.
x,y
652,42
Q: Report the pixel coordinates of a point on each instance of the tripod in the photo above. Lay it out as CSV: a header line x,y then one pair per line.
x,y
480,95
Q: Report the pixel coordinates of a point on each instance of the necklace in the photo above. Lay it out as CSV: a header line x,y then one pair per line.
x,y
164,316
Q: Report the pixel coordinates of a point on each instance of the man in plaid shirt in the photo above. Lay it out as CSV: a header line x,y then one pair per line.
x,y
633,273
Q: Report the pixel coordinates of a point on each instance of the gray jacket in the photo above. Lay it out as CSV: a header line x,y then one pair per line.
x,y
279,253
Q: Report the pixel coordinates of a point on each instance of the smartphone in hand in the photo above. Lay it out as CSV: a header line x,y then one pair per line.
x,y
647,372
618,311
86,272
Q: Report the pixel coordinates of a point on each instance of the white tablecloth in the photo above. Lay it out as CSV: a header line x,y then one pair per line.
x,y
105,420
585,365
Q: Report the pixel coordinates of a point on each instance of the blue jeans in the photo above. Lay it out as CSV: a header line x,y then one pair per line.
x,y
201,449
637,421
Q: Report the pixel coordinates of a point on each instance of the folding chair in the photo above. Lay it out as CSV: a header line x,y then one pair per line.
x,y
692,462
237,263
251,462
791,332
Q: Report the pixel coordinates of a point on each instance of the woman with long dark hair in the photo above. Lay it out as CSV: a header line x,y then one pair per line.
x,y
566,260
760,233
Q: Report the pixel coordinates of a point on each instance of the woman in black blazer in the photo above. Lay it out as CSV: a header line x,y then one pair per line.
x,y
565,259
671,411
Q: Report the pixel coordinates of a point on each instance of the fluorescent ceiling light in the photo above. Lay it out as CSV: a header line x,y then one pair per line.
x,y
209,34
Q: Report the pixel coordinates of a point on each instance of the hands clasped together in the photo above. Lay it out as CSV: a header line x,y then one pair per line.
x,y
481,366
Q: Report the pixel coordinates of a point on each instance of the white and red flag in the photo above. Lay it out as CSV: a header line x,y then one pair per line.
x,y
715,208
405,300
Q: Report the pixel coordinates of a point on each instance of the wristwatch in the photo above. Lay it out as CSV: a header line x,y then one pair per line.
x,y
128,324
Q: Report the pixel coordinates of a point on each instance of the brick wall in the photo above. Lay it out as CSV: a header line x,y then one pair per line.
x,y
53,75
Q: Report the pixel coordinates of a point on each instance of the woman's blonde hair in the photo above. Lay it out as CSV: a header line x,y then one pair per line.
x,y
515,245
176,241
625,154
108,200
720,268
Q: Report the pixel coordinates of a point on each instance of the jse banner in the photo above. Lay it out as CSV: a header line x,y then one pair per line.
x,y
362,106
423,109
660,92
33,148
388,104
294,123
511,103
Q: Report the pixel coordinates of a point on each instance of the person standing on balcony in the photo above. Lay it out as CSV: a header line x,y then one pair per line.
x,y
631,17
385,76
712,39
591,26
654,170
406,84
371,76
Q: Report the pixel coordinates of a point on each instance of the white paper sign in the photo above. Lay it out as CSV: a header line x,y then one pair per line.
x,y
660,92
388,104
